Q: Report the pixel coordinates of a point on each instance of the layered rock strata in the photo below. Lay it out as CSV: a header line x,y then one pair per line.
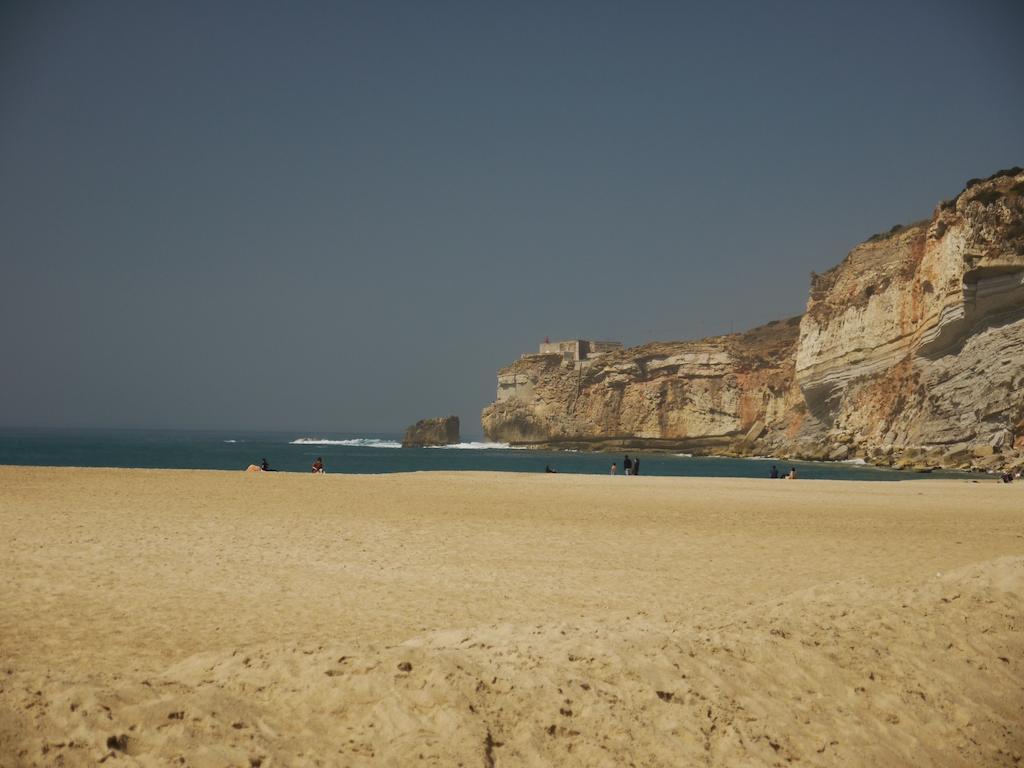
x,y
427,432
911,352
688,395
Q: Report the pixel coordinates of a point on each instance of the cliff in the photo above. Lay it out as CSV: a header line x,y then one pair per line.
x,y
910,352
688,395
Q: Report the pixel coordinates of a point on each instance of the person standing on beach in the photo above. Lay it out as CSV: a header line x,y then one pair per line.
x,y
775,472
614,470
627,465
636,467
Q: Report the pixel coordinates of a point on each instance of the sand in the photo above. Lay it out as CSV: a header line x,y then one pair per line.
x,y
440,619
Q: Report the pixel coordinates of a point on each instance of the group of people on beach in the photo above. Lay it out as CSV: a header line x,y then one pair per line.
x,y
775,473
318,466
629,466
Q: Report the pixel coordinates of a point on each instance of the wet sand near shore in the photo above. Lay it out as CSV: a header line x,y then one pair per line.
x,y
156,617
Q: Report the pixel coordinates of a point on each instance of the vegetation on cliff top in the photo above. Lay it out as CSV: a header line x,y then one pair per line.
x,y
971,183
822,283
895,230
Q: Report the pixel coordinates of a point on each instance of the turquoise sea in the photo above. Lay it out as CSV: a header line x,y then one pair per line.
x,y
371,454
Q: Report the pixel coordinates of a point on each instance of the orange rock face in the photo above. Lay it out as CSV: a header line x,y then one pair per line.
x,y
911,352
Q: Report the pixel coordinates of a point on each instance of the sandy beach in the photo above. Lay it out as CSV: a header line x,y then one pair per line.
x,y
200,618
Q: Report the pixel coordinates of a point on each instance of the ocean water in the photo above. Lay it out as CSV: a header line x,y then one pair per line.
x,y
372,454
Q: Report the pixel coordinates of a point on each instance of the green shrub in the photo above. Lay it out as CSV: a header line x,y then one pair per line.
x,y
1001,172
974,182
988,197
1006,172
895,230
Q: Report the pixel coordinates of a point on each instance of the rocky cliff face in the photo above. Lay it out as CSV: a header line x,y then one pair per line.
x,y
911,351
702,395
426,432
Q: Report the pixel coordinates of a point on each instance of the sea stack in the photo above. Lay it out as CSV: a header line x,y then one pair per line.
x,y
443,431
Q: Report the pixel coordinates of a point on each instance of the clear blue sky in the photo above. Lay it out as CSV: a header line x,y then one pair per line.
x,y
346,216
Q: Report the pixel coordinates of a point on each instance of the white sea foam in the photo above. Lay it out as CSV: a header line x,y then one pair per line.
x,y
474,446
358,442
234,441
684,455
858,462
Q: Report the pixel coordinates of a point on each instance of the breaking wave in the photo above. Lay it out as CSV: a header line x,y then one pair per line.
x,y
358,442
373,442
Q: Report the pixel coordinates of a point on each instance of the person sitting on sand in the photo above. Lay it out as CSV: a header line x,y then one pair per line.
x,y
792,474
264,466
614,470
318,466
774,473
1006,477
548,470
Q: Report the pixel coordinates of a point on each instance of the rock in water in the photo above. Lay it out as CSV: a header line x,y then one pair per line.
x,y
443,431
